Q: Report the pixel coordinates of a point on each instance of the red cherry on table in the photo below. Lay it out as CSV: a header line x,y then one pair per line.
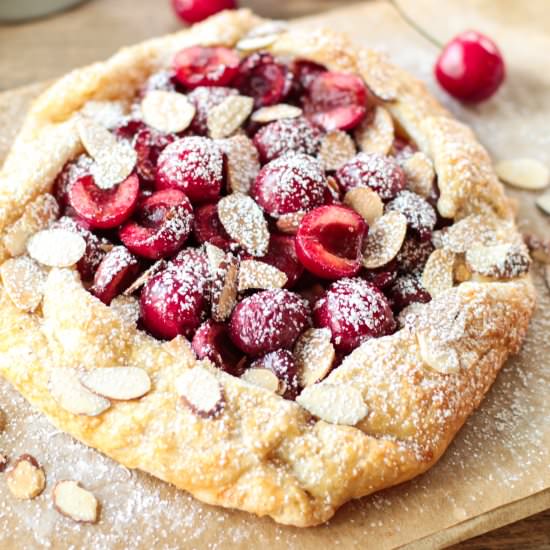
x,y
193,11
470,67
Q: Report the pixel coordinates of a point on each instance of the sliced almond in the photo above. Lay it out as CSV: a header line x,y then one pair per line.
x,y
524,173
375,134
333,187
538,247
73,501
26,478
441,359
503,261
385,238
127,308
215,256
37,216
275,112
71,395
243,163
200,390
23,281
145,276
314,355
56,247
244,221
365,202
262,36
289,223
227,117
95,138
224,288
337,404
108,114
543,202
264,378
255,274
119,383
168,112
336,149
437,276
420,173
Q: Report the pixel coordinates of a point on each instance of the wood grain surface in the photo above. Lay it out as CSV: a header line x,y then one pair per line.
x,y
47,48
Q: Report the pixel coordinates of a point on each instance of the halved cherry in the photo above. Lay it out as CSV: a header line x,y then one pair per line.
x,y
305,72
115,273
282,255
329,241
381,277
149,144
203,66
407,290
72,171
208,227
212,341
104,208
164,221
336,101
420,214
264,79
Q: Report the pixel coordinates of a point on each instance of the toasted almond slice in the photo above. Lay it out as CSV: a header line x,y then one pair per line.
x,y
215,257
337,404
538,247
289,223
375,134
254,43
72,396
314,355
56,247
243,162
365,202
37,216
24,282
127,308
437,276
336,149
26,478
200,390
441,359
255,274
73,501
144,277
224,288
227,117
119,383
244,221
114,165
264,378
385,238
503,261
275,112
420,173
543,202
95,138
461,272
105,113
523,173
168,112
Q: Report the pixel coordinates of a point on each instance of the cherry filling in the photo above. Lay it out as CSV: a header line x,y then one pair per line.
x,y
209,229
329,241
163,223
282,255
149,144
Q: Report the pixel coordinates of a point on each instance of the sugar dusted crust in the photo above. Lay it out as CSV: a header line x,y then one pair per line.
x,y
264,454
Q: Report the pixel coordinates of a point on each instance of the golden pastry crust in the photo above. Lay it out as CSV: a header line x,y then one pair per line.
x,y
264,454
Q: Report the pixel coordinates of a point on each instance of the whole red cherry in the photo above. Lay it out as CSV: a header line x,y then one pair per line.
x,y
193,11
470,67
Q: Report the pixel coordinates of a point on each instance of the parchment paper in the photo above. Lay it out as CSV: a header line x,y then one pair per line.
x,y
499,462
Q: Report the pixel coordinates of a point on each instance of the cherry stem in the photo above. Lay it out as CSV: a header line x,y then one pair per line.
x,y
415,25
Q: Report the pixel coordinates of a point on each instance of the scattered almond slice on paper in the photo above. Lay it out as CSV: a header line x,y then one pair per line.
x,y
71,395
56,247
440,359
438,273
503,261
224,287
145,276
106,113
227,117
244,221
201,391
272,113
523,173
243,162
289,223
262,36
385,238
365,202
118,383
334,403
168,112
23,281
264,378
74,502
420,173
127,308
543,202
314,355
26,478
37,215
375,134
255,274
336,149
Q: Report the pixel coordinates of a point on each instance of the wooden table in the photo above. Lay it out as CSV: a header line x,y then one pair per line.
x,y
47,48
